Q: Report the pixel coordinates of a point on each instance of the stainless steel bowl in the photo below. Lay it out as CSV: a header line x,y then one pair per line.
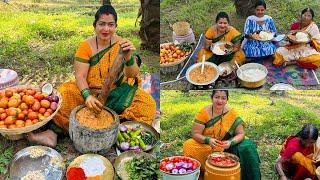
x,y
225,69
22,163
146,128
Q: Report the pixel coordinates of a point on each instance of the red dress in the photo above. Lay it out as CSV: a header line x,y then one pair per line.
x,y
295,171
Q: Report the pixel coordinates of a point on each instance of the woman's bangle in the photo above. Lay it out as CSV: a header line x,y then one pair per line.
x,y
130,62
85,93
207,140
232,142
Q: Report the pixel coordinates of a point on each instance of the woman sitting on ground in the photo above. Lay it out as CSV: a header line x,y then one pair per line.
x,y
304,55
94,62
255,49
219,128
295,161
222,31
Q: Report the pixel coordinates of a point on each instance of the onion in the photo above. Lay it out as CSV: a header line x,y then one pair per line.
x,y
175,171
49,98
179,165
55,99
185,165
169,166
123,128
53,106
189,165
182,171
124,146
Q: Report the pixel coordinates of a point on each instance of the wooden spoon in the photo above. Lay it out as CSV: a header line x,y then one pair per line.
x,y
202,65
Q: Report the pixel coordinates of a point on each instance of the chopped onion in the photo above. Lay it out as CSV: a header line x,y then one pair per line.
x,y
169,166
182,171
175,171
179,165
185,165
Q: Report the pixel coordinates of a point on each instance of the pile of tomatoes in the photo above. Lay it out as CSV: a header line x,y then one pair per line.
x,y
178,165
170,53
23,107
222,160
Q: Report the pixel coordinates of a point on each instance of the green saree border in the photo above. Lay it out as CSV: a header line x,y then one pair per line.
x,y
95,58
213,121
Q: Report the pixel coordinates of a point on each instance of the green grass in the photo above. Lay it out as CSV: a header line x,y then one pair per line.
x,y
44,34
38,39
201,15
269,118
5,158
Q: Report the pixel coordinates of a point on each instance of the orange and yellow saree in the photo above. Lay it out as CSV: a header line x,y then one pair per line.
x,y
142,108
231,35
223,128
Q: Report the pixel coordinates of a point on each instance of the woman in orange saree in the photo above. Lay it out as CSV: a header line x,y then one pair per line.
x,y
93,61
295,160
219,128
222,31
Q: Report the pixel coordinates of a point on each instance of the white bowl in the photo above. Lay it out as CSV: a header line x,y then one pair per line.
x,y
243,72
199,65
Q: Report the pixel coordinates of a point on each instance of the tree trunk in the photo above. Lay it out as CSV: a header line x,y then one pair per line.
x,y
103,2
245,7
150,25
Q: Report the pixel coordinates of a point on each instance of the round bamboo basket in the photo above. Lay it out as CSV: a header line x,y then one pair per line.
x,y
17,133
181,28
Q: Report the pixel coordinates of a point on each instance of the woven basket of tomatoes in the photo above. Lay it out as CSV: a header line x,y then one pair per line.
x,y
223,159
172,57
26,108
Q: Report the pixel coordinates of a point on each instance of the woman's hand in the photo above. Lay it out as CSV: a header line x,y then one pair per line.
x,y
214,143
94,104
225,144
127,48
